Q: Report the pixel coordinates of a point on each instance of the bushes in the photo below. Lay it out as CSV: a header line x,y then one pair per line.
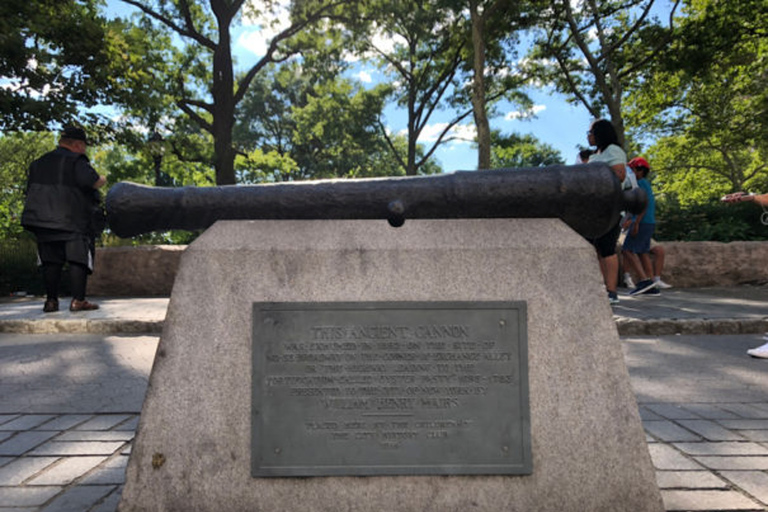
x,y
18,261
716,222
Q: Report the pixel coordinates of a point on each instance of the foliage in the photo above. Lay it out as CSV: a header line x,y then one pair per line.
x,y
64,62
18,267
710,221
426,50
296,125
691,171
707,102
206,88
516,150
592,51
493,36
51,54
17,151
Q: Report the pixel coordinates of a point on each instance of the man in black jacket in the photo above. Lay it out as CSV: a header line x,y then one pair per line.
x,y
61,197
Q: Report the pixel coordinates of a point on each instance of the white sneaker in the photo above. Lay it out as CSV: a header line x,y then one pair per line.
x,y
628,282
761,351
661,284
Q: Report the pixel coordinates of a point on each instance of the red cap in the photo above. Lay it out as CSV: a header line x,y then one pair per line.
x,y
638,162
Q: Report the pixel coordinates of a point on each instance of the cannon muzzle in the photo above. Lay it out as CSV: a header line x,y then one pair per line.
x,y
587,197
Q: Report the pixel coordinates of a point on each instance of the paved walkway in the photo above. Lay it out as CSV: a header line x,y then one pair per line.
x,y
72,386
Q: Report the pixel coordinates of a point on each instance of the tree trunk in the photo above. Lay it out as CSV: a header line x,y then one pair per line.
x,y
223,92
617,119
478,89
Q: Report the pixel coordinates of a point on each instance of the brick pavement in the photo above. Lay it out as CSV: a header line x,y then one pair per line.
x,y
711,456
64,462
708,457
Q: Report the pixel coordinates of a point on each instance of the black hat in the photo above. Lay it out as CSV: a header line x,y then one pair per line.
x,y
74,132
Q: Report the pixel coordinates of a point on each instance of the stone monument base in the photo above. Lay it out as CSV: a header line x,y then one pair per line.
x,y
193,449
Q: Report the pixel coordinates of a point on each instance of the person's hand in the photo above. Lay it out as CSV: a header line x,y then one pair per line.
x,y
626,224
635,228
737,197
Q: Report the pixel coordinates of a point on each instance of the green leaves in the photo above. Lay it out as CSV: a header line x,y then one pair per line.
x,y
516,150
17,151
707,102
51,53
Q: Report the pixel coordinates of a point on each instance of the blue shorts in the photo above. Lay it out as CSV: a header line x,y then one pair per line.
x,y
641,242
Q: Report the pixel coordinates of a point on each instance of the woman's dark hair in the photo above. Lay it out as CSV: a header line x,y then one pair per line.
x,y
604,134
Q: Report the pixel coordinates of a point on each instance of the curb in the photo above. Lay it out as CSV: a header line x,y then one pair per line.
x,y
693,326
81,326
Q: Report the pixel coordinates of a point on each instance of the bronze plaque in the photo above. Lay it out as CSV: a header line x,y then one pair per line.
x,y
390,388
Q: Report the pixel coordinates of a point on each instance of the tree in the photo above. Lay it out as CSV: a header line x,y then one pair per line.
x,y
425,48
494,28
48,73
205,30
707,101
517,151
17,151
295,124
63,61
592,50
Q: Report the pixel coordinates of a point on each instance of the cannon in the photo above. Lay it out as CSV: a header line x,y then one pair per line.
x,y
589,198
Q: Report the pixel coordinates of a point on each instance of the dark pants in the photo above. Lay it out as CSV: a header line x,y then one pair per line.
x,y
53,254
78,275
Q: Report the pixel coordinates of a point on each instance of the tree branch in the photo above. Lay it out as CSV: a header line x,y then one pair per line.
x,y
185,106
189,31
295,28
440,138
392,147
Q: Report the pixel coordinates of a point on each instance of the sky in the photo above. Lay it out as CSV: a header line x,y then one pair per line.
x,y
556,122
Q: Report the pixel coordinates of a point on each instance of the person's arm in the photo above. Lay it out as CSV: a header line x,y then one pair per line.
x,y
86,176
738,197
636,223
619,171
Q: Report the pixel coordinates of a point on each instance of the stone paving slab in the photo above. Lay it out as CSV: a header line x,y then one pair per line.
x,y
707,501
754,483
690,480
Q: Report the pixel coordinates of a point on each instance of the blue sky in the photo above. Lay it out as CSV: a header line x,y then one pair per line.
x,y
556,122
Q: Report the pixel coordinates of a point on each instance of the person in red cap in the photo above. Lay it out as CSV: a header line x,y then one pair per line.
x,y
61,192
637,245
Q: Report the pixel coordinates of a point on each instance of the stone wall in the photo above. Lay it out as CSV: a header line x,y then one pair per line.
x,y
700,264
143,271
147,271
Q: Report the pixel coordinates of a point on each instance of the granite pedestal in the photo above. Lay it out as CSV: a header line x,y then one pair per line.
x,y
193,447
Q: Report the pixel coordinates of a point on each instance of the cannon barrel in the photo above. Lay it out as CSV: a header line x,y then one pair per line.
x,y
588,198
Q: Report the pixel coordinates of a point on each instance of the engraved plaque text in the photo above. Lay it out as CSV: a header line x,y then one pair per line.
x,y
395,388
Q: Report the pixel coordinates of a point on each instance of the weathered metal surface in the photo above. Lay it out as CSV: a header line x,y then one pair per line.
x,y
588,198
390,388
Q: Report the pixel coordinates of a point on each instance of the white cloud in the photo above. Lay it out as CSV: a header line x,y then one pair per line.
x,y
255,42
365,77
266,24
526,114
463,133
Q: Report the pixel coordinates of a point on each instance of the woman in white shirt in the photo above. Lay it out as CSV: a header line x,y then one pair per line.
x,y
603,136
